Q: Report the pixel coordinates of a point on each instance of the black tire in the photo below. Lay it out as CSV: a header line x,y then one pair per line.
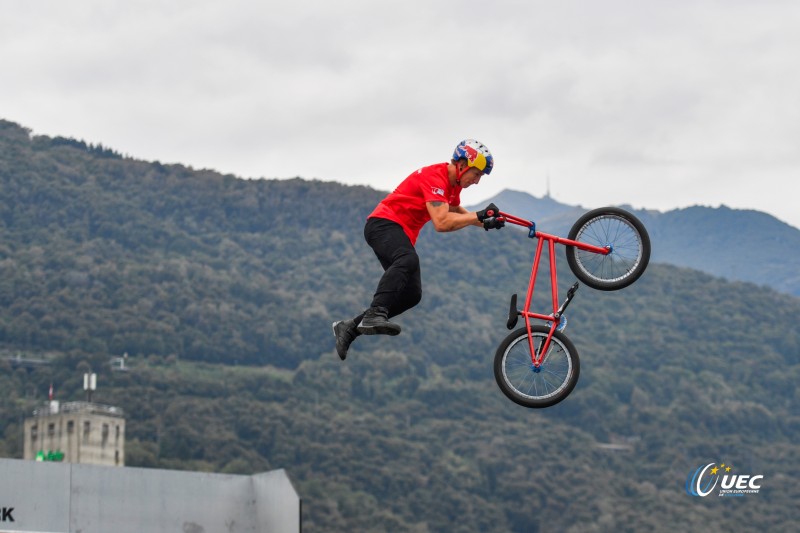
x,y
630,245
527,386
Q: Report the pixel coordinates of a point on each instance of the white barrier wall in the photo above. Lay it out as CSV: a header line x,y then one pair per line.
x,y
67,498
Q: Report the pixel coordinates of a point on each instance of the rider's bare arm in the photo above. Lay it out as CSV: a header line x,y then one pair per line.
x,y
463,211
450,218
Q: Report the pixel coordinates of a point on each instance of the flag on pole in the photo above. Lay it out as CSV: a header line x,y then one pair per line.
x,y
51,392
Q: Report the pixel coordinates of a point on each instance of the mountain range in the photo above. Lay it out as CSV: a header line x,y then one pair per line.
x,y
737,244
222,291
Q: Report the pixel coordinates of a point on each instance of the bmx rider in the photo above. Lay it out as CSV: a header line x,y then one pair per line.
x,y
430,193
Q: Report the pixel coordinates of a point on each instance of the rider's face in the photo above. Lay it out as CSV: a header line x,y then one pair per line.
x,y
471,177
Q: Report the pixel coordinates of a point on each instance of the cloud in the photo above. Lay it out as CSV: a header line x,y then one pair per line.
x,y
650,103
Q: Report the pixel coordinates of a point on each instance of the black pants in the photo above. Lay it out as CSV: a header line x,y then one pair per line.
x,y
400,287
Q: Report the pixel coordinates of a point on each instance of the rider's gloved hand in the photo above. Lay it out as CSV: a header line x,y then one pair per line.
x,y
493,223
490,211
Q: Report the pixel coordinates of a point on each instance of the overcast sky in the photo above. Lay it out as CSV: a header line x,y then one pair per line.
x,y
657,104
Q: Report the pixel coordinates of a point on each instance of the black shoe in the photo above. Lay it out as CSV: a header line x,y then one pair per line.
x,y
345,333
376,322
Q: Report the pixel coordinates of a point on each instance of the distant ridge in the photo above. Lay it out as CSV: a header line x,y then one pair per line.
x,y
737,244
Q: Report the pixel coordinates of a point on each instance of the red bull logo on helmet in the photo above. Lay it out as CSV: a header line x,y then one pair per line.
x,y
475,158
473,152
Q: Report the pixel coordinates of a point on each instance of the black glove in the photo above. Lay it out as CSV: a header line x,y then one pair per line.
x,y
493,223
490,211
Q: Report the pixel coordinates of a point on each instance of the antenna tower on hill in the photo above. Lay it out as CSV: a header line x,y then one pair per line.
x,y
547,194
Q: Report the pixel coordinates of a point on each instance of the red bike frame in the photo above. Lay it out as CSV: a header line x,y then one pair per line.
x,y
538,359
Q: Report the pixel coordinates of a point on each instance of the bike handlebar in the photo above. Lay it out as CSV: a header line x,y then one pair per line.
x,y
516,220
530,224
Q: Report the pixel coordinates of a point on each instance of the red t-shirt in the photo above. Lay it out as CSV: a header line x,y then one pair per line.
x,y
406,205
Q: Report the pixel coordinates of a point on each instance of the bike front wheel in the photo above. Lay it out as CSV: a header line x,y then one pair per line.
x,y
526,385
624,234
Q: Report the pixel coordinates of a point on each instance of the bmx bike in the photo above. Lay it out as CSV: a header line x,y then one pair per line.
x,y
607,249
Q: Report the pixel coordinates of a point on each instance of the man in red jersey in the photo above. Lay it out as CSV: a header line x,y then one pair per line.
x,y
431,193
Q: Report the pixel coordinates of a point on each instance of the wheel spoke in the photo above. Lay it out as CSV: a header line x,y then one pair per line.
x,y
550,379
626,249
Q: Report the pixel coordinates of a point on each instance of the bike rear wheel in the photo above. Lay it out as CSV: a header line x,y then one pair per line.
x,y
630,249
528,386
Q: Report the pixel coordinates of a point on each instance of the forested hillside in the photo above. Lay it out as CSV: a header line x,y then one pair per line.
x,y
222,292
111,255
